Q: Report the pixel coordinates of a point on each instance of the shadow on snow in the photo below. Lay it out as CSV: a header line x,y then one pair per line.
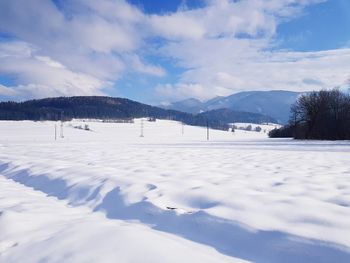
x,y
225,236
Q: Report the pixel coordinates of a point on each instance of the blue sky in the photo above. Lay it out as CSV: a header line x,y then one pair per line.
x,y
322,27
163,7
162,51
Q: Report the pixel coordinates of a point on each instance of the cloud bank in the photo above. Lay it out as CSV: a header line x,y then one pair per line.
x,y
83,47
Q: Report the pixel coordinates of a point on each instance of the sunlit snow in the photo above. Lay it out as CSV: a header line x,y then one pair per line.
x,y
110,195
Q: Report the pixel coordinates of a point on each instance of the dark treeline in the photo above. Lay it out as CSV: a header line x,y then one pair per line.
x,y
96,107
230,116
322,115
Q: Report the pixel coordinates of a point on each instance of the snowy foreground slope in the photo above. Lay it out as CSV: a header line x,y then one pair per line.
x,y
109,195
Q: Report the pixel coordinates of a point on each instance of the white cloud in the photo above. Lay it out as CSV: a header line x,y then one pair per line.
x,y
141,67
84,46
181,91
177,26
239,65
110,9
227,80
100,35
238,52
84,41
222,18
48,61
39,76
6,92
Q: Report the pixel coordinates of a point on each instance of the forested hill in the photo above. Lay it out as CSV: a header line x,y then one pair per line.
x,y
98,107
231,116
95,107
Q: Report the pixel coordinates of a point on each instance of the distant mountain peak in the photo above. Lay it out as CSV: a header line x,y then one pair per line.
x,y
190,105
273,103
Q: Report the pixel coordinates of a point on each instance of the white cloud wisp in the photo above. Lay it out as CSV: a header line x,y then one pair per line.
x,y
83,47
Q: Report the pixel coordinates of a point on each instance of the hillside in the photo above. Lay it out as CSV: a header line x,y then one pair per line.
x,y
189,105
93,107
275,104
98,107
230,116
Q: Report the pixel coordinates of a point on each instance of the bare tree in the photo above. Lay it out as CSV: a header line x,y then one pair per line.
x,y
321,115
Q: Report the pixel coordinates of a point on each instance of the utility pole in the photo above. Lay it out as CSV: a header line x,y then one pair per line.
x,y
207,130
182,128
141,135
61,130
55,131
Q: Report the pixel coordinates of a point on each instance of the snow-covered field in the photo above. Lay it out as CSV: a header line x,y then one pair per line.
x,y
109,195
264,127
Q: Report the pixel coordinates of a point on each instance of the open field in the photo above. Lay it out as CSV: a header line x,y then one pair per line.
x,y
109,195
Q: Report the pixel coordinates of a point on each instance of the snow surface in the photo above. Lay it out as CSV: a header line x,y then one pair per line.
x,y
264,127
109,195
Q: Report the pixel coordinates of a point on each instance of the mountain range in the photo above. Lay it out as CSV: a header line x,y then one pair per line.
x,y
99,107
275,104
